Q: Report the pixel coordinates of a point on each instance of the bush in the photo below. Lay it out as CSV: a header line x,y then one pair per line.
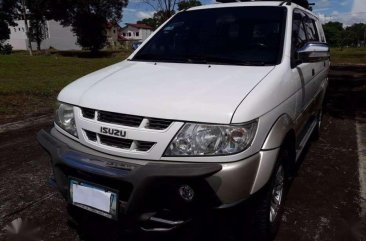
x,y
6,49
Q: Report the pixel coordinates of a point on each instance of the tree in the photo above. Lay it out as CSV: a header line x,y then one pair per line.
x,y
8,11
164,9
88,19
333,32
303,3
358,31
188,4
158,19
37,21
38,31
23,11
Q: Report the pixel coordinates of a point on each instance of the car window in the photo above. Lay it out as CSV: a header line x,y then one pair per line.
x,y
240,35
311,30
299,37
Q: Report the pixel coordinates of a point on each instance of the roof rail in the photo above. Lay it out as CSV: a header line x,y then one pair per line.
x,y
287,2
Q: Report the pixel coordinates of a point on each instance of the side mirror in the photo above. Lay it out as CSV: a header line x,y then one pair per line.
x,y
313,52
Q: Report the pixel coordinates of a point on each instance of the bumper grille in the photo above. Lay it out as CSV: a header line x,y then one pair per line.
x,y
126,120
121,143
115,142
91,135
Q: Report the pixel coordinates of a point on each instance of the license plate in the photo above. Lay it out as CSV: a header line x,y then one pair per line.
x,y
94,198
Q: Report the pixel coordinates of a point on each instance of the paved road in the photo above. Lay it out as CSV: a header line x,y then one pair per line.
x,y
324,203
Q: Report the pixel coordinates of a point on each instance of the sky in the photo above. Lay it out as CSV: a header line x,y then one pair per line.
x,y
346,11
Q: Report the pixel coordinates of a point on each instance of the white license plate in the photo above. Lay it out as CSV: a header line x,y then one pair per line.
x,y
94,198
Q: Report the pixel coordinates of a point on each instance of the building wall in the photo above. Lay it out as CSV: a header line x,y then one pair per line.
x,y
18,37
142,33
129,32
145,33
59,37
112,36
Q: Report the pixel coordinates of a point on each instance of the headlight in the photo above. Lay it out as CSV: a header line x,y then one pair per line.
x,y
204,139
65,118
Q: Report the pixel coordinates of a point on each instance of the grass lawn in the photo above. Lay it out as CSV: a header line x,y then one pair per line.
x,y
29,85
348,56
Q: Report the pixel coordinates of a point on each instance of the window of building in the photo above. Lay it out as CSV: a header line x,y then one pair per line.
x,y
137,34
15,29
19,29
124,34
129,34
114,31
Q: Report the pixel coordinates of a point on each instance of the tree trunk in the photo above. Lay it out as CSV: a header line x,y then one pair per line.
x,y
39,45
24,9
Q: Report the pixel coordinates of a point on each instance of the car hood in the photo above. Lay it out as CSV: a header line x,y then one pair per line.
x,y
187,92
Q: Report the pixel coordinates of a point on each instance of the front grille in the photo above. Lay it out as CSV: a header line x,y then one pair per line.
x,y
158,124
121,143
88,113
126,120
115,142
120,119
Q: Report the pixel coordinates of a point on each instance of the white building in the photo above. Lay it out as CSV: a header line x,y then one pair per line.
x,y
58,37
136,31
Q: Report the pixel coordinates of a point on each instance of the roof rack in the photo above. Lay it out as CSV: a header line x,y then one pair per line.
x,y
303,3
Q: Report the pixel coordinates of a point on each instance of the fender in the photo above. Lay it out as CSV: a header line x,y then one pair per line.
x,y
270,150
278,132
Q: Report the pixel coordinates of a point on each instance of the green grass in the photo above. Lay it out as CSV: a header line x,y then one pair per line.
x,y
45,75
348,55
30,84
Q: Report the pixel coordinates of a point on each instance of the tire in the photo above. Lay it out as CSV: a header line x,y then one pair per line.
x,y
268,205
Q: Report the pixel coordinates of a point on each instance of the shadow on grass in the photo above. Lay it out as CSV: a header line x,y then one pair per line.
x,y
346,96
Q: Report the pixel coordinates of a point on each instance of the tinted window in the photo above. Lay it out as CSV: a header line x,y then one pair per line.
x,y
240,35
311,30
298,32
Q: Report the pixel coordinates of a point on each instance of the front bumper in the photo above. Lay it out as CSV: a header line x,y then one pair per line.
x,y
150,187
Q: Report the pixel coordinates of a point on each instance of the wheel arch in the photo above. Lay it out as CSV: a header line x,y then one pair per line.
x,y
281,135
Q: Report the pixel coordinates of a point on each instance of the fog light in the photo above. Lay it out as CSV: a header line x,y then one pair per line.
x,y
186,192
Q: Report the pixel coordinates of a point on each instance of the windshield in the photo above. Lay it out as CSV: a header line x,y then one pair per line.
x,y
233,35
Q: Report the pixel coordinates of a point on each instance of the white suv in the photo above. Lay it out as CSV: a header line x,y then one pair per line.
x,y
212,110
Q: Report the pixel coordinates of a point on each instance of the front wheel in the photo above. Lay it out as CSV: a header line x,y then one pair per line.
x,y
268,205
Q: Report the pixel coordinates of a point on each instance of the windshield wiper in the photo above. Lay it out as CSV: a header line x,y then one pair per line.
x,y
156,58
207,59
223,60
198,59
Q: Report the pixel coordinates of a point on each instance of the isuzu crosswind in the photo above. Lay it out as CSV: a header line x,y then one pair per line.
x,y
211,111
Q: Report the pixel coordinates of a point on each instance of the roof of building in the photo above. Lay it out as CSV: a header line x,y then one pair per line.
x,y
139,25
112,24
